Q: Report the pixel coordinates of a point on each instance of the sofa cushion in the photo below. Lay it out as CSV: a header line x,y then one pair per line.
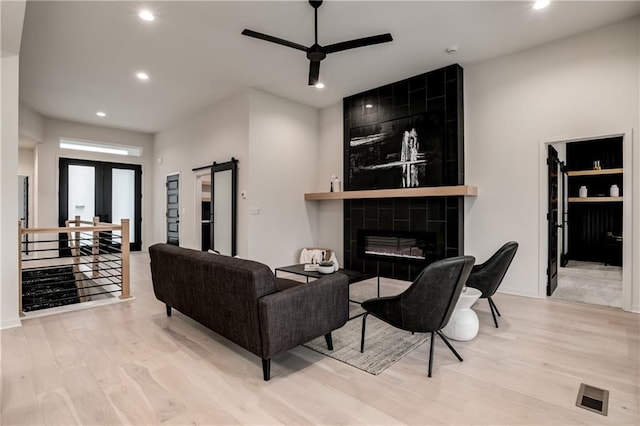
x,y
284,283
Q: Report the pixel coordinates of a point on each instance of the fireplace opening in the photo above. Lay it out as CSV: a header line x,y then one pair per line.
x,y
396,246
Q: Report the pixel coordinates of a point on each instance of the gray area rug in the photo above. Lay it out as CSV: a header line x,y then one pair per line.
x,y
588,282
384,344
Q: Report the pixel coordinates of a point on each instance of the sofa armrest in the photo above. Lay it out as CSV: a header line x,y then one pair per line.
x,y
296,315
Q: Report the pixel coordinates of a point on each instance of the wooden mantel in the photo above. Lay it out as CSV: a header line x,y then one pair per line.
x,y
432,191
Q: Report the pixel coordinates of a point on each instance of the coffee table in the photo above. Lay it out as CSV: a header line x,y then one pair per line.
x,y
353,277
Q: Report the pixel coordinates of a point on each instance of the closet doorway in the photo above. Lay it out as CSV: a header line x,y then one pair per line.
x,y
216,193
589,220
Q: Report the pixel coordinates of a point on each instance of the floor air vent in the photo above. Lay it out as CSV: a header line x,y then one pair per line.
x,y
593,399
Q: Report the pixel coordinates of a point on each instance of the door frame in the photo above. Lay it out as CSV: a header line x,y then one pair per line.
x,y
211,170
63,193
197,211
233,167
30,211
630,209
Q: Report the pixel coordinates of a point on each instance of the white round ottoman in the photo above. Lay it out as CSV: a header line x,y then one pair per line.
x,y
463,324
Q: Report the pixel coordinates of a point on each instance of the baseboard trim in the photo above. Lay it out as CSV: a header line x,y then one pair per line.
x,y
12,323
75,307
518,292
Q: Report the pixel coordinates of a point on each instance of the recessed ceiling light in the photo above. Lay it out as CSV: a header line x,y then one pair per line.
x,y
146,15
319,85
541,4
101,114
368,106
142,75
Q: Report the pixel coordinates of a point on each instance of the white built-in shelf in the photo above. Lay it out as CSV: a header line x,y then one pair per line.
x,y
595,199
595,172
432,191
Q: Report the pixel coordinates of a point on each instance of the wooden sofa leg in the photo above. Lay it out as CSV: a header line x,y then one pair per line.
x,y
329,340
266,369
168,310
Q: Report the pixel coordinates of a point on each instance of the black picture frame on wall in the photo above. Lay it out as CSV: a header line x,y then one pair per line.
x,y
399,153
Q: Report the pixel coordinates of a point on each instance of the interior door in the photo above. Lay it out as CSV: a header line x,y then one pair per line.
x,y
111,191
222,212
23,193
223,207
552,220
173,210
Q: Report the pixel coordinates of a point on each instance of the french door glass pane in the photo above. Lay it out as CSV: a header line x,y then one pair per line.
x,y
123,199
82,192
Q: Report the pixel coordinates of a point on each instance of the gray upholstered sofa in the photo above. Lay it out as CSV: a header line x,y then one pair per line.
x,y
243,301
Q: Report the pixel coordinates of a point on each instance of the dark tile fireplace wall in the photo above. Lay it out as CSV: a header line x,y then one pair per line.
x,y
436,95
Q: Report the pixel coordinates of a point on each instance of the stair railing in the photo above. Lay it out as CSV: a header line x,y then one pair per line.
x,y
83,261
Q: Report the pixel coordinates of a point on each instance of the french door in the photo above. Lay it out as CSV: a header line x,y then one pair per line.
x,y
111,191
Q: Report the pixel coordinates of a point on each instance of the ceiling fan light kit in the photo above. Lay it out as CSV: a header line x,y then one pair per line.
x,y
316,53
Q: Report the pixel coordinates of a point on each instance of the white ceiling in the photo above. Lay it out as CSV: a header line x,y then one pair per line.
x,y
79,57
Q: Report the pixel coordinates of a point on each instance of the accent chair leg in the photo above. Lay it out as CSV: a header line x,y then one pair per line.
x,y
445,340
431,354
329,340
495,306
266,369
493,314
364,323
168,310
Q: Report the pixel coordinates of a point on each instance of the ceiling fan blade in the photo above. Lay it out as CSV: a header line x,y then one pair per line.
x,y
314,72
273,39
360,42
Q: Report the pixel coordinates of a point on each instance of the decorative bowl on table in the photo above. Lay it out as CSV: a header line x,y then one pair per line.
x,y
326,267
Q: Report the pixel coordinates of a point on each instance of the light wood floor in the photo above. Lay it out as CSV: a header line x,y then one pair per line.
x,y
128,363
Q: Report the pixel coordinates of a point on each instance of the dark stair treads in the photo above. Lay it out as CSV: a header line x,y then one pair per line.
x,y
48,287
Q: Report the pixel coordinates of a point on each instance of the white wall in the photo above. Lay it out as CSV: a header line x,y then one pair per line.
x,y
283,141
275,141
635,226
47,174
9,192
31,125
26,158
583,86
12,18
579,87
215,134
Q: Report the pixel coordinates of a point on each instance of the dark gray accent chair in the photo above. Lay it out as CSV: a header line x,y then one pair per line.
x,y
243,301
487,276
427,305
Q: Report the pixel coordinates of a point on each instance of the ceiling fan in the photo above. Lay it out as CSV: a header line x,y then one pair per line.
x,y
316,53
